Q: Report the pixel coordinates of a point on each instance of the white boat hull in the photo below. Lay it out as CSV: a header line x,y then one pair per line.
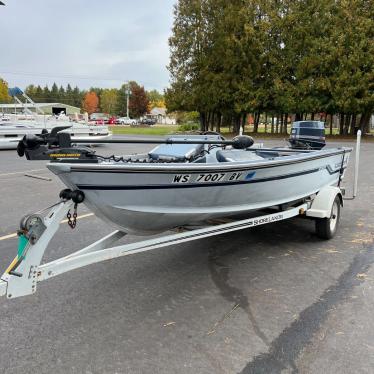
x,y
11,135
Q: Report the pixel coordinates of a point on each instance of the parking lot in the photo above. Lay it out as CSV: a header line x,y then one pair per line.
x,y
272,299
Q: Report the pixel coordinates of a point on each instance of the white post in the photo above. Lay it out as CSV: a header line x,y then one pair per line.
x,y
358,146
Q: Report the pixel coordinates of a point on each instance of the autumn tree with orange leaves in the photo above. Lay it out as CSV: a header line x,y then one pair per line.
x,y
90,102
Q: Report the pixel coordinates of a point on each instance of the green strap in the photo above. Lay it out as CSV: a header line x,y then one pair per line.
x,y
22,242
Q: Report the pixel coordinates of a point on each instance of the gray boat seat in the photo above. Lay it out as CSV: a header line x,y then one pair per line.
x,y
176,152
232,155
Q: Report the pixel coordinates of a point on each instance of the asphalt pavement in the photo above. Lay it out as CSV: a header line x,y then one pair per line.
x,y
271,299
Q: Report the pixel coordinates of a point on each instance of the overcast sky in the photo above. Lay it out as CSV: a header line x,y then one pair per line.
x,y
85,42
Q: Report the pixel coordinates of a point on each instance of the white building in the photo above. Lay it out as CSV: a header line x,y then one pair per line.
x,y
161,116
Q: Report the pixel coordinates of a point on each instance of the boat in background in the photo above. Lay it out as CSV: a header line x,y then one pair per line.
x,y
13,127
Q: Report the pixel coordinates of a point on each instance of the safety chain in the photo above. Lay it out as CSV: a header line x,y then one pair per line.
x,y
72,222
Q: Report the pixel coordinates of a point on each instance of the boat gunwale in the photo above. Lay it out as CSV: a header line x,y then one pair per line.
x,y
193,168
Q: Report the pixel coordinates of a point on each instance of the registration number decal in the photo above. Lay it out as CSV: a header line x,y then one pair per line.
x,y
207,177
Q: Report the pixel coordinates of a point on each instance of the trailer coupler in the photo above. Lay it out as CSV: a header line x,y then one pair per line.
x,y
34,235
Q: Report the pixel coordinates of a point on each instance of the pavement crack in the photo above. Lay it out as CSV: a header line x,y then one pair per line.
x,y
220,274
285,349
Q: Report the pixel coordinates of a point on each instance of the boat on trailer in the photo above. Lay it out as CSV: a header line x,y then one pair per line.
x,y
188,180
183,183
144,194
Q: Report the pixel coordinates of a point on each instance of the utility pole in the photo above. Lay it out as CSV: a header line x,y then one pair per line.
x,y
127,101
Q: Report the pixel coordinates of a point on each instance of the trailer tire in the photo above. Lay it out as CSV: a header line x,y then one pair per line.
x,y
326,227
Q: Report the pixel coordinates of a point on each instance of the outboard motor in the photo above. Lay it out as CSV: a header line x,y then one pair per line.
x,y
308,135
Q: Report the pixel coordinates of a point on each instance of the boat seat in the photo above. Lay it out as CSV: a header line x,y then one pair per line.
x,y
237,155
176,152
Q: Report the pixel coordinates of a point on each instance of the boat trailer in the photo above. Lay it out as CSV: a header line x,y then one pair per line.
x,y
37,230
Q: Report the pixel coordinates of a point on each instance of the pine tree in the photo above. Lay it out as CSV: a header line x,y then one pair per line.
x,y
61,95
46,95
69,95
38,94
54,97
77,97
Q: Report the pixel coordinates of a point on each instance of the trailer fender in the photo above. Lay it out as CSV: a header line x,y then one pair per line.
x,y
322,204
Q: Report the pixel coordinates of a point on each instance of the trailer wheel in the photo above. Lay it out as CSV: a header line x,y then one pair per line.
x,y
326,227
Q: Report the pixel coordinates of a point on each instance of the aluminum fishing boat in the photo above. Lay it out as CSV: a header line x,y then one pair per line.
x,y
189,180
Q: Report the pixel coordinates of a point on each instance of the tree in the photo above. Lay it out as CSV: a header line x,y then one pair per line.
x,y
156,99
352,56
61,95
46,95
77,97
108,100
90,102
69,95
138,101
31,91
54,95
98,92
215,57
4,96
38,94
232,59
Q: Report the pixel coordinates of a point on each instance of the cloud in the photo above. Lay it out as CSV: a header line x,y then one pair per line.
x,y
85,42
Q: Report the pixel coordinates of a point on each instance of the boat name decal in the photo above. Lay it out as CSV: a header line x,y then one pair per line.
x,y
208,177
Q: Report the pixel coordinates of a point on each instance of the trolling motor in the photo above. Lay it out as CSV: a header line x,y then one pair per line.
x,y
55,145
